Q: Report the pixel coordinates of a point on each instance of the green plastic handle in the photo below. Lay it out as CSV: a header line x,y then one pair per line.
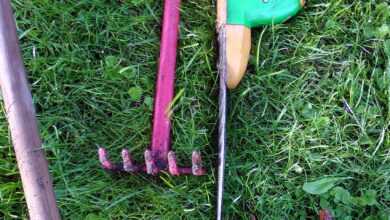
x,y
254,13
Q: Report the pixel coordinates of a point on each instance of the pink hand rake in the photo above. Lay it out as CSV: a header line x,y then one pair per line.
x,y
160,157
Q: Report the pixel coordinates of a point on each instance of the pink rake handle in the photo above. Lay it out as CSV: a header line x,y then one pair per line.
x,y
161,138
159,156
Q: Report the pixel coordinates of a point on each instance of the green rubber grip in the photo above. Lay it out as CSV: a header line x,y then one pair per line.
x,y
254,13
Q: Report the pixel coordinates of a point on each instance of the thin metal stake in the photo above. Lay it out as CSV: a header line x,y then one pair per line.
x,y
222,69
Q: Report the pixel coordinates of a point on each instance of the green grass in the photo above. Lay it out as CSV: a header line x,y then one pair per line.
x,y
92,67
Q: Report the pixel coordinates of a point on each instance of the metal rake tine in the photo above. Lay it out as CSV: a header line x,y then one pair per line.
x,y
172,164
197,167
103,158
128,163
105,162
150,163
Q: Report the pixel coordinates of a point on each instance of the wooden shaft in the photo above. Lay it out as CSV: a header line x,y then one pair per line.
x,y
221,13
238,46
20,113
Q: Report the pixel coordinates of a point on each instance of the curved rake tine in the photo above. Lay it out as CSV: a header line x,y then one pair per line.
x,y
197,168
150,163
105,162
172,164
128,163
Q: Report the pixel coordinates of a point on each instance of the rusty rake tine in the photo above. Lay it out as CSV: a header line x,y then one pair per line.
x,y
106,163
197,167
128,163
150,163
172,164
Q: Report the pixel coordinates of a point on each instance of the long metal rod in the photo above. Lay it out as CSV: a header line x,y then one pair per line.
x,y
222,71
33,167
222,122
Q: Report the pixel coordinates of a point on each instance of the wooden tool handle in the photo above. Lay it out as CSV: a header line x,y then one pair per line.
x,y
20,113
221,13
238,45
237,17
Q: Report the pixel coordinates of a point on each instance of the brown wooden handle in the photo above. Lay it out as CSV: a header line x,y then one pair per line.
x,y
20,113
238,45
238,49
221,13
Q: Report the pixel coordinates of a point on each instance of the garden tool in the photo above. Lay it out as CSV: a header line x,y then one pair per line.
x,y
20,113
160,157
235,18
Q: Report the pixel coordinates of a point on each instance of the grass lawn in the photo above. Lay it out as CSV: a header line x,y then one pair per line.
x,y
315,104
